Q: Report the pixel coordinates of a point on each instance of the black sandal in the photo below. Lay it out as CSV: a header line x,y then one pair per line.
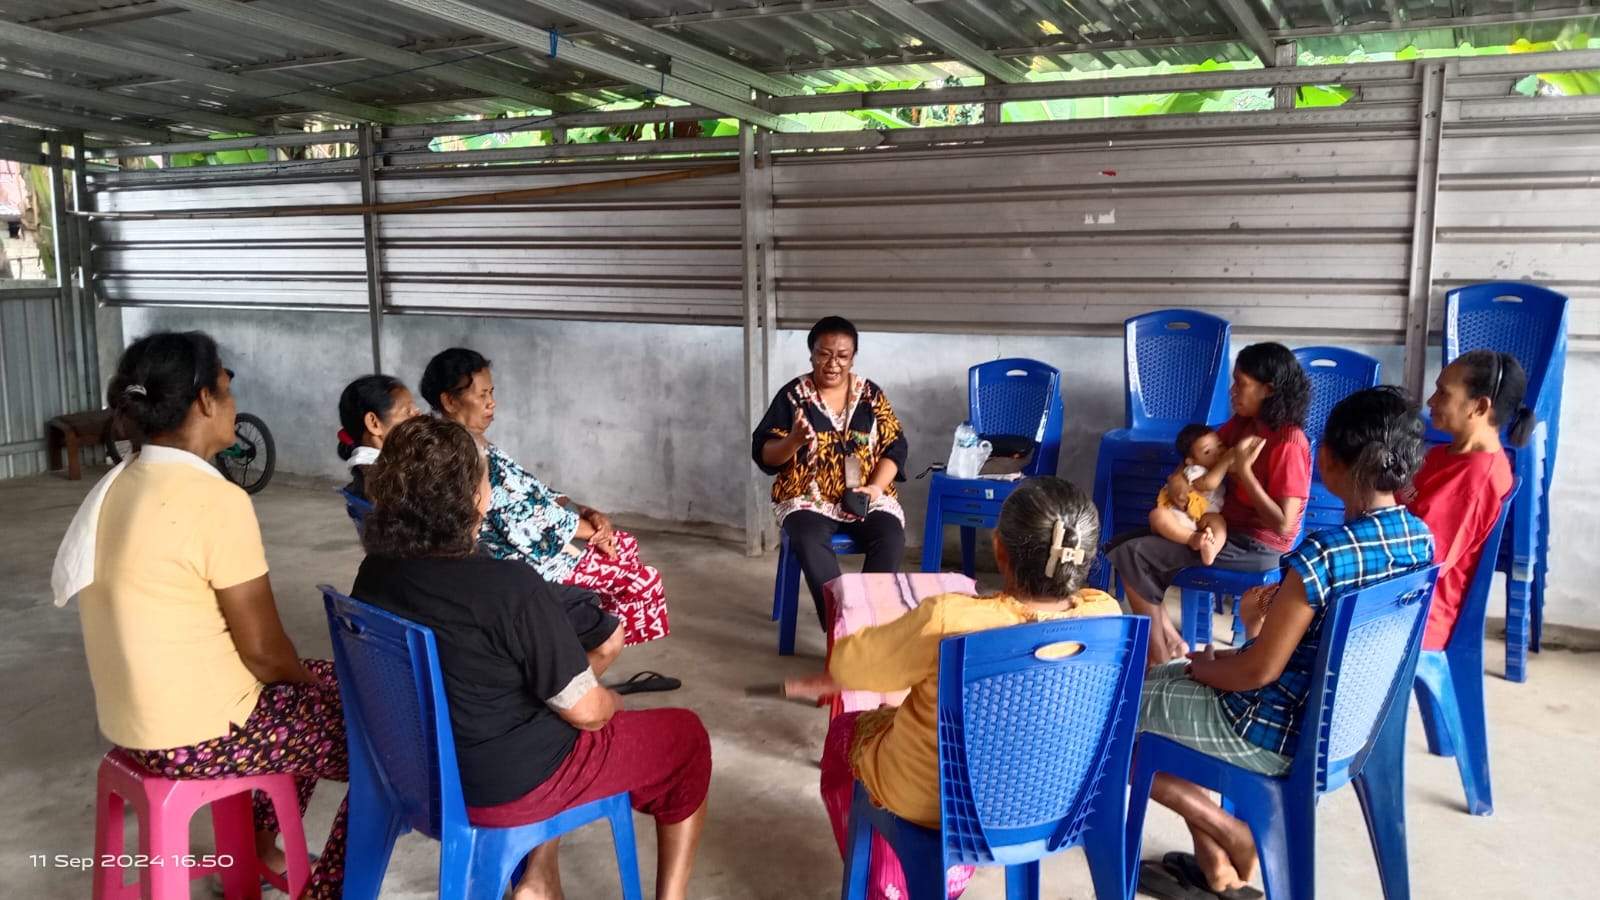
x,y
648,682
1187,868
1159,881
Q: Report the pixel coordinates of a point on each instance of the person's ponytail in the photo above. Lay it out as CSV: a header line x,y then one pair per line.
x,y
347,445
1521,426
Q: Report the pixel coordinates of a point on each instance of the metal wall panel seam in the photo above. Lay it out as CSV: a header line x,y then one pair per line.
x,y
1423,232
372,253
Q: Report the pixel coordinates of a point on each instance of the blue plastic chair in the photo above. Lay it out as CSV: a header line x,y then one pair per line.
x,y
1353,731
1530,323
403,772
1175,371
786,587
1033,756
1449,684
1335,373
1005,397
357,508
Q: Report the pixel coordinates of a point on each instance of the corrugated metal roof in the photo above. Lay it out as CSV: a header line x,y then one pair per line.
x,y
819,42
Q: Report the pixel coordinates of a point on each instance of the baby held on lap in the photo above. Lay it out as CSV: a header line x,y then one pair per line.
x,y
1189,508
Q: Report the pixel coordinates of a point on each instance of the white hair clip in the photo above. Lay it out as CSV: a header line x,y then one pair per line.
x,y
135,389
1058,553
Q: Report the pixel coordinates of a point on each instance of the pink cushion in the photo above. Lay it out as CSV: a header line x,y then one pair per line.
x,y
867,599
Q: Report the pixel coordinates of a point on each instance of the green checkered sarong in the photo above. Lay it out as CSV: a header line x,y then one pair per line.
x,y
1178,707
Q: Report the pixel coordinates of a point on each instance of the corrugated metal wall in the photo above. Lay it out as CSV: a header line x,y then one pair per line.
x,y
660,252
1304,231
31,386
1522,204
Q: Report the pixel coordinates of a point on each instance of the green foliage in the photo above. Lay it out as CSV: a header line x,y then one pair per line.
x,y
37,181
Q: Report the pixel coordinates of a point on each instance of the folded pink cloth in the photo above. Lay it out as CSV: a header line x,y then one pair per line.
x,y
867,599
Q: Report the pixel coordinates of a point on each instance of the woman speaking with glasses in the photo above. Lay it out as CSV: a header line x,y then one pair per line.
x,y
835,447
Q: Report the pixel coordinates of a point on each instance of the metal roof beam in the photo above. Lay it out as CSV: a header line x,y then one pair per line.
x,y
46,42
59,118
535,38
641,35
1250,29
952,41
33,85
256,16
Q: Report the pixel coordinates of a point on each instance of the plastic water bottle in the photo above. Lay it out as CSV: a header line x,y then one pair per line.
x,y
962,463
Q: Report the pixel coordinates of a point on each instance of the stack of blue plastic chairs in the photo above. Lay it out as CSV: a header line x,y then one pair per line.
x,y
1334,373
1175,371
1450,682
403,773
1016,398
1033,758
1530,323
1353,732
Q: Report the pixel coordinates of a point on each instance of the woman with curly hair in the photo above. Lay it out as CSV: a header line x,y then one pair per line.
x,y
535,731
1268,483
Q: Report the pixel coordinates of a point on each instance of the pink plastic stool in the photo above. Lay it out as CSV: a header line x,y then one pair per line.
x,y
164,807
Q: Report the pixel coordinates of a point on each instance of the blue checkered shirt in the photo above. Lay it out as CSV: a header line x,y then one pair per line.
x,y
1369,548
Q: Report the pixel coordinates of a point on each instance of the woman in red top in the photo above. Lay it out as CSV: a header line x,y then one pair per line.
x,y
1267,488
1460,488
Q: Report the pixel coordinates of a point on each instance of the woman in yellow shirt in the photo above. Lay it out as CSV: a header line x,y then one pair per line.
x,y
193,674
1043,546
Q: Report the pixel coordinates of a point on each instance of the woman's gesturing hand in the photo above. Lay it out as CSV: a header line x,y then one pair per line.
x,y
801,430
1245,453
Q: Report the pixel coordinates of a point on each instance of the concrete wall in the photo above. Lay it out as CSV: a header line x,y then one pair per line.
x,y
646,419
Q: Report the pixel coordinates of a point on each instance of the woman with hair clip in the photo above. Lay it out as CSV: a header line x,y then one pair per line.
x,y
1460,487
193,674
1246,706
1268,483
1044,544
369,408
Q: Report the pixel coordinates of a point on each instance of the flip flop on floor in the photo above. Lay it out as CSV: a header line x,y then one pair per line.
x,y
1159,881
648,682
1187,868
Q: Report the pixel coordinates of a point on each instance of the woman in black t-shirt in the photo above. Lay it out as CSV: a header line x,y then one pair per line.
x,y
535,731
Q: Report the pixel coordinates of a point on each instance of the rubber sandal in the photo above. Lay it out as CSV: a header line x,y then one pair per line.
x,y
648,682
1159,881
1187,868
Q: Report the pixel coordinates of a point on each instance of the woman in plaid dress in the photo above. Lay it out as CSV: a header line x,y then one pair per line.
x,y
1245,706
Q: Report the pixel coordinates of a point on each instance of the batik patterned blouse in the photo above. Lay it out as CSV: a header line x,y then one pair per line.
x,y
525,521
866,429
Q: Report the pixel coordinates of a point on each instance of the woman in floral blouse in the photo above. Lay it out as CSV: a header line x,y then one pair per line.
x,y
531,522
836,447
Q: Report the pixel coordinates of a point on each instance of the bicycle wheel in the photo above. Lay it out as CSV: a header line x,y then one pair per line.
x,y
249,462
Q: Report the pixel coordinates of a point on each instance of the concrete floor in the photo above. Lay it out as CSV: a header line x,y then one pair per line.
x,y
767,836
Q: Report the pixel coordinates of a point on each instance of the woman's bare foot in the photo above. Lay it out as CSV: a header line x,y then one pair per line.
x,y
1215,863
1209,547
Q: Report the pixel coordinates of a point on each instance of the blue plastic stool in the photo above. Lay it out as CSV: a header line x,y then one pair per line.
x,y
786,587
403,773
1530,323
1205,588
1015,398
357,508
1175,372
1033,756
1352,731
1449,684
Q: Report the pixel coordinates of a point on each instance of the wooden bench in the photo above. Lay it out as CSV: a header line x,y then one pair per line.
x,y
73,432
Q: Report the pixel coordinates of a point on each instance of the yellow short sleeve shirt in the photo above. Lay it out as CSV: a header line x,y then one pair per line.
x,y
162,660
